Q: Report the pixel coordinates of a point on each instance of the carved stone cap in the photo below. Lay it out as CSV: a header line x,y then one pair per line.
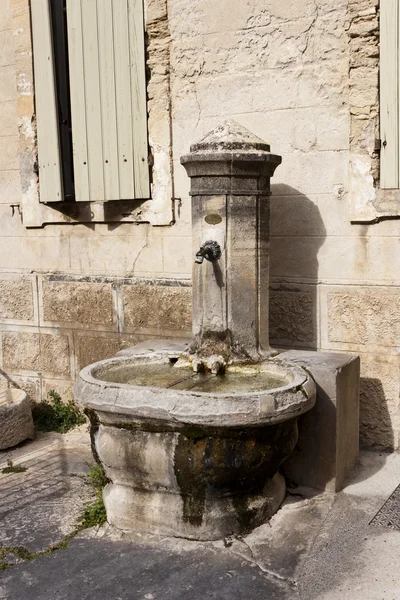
x,y
227,155
230,136
230,150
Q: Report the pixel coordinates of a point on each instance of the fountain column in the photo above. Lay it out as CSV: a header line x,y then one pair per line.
x,y
230,171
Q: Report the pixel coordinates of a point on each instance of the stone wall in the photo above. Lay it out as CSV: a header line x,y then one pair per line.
x,y
301,74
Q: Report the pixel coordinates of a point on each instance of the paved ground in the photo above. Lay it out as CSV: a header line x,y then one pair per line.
x,y
315,548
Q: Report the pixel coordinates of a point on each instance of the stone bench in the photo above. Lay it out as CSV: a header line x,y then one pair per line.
x,y
16,423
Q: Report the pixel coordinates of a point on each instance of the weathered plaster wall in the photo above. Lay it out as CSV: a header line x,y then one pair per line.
x,y
72,294
303,76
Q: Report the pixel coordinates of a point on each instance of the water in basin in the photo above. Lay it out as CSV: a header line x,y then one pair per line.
x,y
166,375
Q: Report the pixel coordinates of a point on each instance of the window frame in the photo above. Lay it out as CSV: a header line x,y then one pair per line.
x,y
159,210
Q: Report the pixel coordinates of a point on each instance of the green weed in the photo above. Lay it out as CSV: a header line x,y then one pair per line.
x,y
95,512
52,414
11,468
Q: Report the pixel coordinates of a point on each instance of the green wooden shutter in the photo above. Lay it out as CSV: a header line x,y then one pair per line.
x,y
49,157
108,99
389,93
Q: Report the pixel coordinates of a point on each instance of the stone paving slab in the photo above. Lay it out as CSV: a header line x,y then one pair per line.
x,y
41,505
91,569
317,547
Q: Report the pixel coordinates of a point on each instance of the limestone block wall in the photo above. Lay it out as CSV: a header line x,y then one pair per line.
x,y
303,75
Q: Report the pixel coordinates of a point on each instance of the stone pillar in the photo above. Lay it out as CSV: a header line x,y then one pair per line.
x,y
230,171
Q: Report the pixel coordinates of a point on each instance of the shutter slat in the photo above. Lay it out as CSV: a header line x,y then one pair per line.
x,y
49,157
108,92
94,133
123,99
389,91
78,102
139,110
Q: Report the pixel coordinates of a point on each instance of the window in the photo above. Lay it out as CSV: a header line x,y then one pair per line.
x,y
90,98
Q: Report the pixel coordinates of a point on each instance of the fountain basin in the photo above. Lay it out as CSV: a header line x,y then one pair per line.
x,y
192,455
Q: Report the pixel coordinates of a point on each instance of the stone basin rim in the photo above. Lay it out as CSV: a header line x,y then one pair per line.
x,y
88,374
123,401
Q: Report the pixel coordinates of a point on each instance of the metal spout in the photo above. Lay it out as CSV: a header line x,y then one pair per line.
x,y
210,250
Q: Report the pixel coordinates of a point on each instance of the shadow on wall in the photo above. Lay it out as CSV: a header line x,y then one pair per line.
x,y
376,430
297,233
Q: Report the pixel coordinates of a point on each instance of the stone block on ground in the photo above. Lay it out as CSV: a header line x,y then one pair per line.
x,y
328,444
16,423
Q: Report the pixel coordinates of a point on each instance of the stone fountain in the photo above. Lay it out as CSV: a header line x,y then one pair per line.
x,y
192,442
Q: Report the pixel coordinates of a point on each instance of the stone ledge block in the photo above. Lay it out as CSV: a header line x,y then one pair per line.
x,y
86,303
158,307
16,299
16,423
328,443
23,351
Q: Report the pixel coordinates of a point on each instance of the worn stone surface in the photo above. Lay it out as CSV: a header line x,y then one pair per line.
x,y
30,385
328,444
160,307
62,387
161,346
100,388
141,571
16,424
292,316
203,488
230,170
379,401
91,348
8,118
367,317
10,187
36,352
76,302
351,558
16,299
366,201
49,497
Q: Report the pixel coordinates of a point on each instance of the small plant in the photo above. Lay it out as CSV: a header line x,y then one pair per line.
x,y
95,512
11,468
52,414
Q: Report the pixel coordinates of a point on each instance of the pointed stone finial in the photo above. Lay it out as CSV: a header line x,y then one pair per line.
x,y
230,136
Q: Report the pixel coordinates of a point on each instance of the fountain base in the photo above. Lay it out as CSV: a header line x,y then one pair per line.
x,y
193,455
173,515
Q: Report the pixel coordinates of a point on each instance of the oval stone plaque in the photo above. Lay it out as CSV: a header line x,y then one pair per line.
x,y
213,219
